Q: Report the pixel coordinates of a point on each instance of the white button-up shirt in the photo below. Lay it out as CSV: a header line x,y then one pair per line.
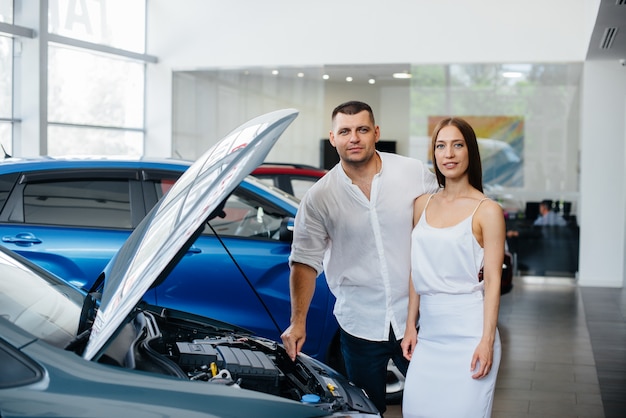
x,y
363,246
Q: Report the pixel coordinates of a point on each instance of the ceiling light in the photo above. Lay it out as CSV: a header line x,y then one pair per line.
x,y
372,81
511,74
300,75
325,76
274,72
402,75
348,79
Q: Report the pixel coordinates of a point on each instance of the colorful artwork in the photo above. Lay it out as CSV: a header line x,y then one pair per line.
x,y
501,144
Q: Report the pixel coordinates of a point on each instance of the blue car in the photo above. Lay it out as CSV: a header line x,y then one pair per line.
x,y
71,215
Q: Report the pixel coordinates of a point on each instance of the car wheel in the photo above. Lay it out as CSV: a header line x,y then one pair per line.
x,y
395,384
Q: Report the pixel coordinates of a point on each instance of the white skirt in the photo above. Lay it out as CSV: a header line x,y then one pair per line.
x,y
439,380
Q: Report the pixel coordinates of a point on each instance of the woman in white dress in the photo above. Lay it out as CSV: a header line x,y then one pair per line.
x,y
456,262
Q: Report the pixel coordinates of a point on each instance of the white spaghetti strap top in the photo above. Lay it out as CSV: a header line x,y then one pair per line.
x,y
446,260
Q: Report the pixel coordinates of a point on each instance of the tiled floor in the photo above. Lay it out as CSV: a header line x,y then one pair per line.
x,y
564,351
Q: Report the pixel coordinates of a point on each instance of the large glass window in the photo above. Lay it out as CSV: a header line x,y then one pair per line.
x,y
100,97
526,118
96,76
77,140
114,23
6,11
89,89
95,99
6,91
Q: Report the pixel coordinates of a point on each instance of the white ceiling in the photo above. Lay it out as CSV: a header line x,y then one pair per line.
x,y
611,19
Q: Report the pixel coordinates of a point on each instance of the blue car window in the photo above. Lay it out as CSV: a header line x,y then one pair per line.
x,y
301,185
162,186
247,216
92,203
6,184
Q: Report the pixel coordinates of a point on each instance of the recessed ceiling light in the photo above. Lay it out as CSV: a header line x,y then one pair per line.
x,y
402,75
274,72
325,76
372,81
300,75
348,79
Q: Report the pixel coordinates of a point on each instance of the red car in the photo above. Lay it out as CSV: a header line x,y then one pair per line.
x,y
294,179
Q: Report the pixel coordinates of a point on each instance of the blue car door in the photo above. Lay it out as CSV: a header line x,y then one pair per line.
x,y
71,223
241,276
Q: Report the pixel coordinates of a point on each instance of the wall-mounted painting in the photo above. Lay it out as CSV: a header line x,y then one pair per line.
x,y
501,144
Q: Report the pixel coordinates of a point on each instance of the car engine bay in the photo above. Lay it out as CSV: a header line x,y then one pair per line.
x,y
188,347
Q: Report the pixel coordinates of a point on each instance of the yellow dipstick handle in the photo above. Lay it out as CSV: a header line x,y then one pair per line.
x,y
331,387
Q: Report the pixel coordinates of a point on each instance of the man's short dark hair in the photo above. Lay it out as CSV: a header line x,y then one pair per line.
x,y
352,108
547,203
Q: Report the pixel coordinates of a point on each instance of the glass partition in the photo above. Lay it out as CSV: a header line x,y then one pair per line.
x,y
6,92
526,117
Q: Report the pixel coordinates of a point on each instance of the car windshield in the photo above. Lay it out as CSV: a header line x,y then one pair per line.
x,y
46,308
293,199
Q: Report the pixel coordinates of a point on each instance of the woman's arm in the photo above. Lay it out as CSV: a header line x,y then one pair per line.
x,y
492,237
410,333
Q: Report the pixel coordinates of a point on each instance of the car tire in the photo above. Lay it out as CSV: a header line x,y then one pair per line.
x,y
395,384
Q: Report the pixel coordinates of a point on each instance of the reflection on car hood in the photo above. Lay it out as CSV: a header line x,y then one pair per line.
x,y
169,229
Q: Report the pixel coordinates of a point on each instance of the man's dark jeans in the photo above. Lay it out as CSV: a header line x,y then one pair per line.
x,y
366,364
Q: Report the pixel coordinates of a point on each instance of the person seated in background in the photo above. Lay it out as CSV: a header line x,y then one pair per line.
x,y
547,217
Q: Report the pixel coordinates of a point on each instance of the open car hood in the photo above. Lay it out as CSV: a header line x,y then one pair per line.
x,y
171,227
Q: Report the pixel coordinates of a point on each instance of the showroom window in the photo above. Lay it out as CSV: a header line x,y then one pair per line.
x,y
6,78
6,92
77,88
526,117
95,84
118,24
95,103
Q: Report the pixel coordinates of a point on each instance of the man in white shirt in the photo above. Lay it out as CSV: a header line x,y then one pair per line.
x,y
355,224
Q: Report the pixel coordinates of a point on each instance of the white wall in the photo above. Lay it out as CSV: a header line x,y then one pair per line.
x,y
603,176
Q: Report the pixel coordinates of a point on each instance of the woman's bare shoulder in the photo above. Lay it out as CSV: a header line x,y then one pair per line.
x,y
420,201
418,206
490,210
491,205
